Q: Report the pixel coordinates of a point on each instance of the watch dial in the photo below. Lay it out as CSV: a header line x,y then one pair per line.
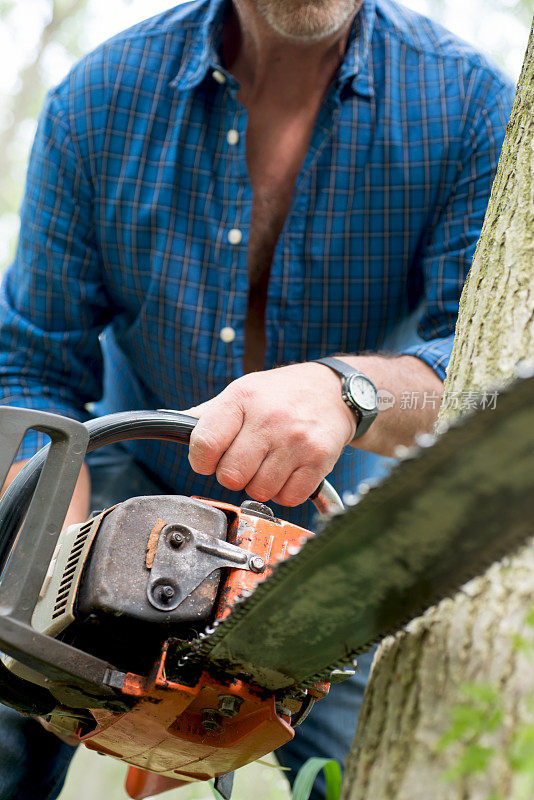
x,y
363,392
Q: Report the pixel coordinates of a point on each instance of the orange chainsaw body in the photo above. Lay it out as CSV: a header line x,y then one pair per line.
x,y
178,733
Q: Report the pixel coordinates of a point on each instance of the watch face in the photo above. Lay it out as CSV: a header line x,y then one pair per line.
x,y
363,392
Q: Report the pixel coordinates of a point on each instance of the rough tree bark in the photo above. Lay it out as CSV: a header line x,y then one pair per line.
x,y
417,675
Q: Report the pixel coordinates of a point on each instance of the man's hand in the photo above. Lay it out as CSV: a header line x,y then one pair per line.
x,y
275,434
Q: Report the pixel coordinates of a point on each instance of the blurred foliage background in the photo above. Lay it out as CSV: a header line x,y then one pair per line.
x,y
39,41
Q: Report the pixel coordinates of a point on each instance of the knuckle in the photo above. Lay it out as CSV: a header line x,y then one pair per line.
x,y
259,493
278,417
204,451
291,498
243,390
203,441
231,478
319,451
299,436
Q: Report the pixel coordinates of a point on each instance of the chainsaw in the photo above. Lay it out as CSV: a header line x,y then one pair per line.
x,y
188,637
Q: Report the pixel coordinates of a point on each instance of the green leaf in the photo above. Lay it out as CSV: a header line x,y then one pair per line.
x,y
264,763
307,774
529,619
480,693
471,720
522,750
475,758
519,643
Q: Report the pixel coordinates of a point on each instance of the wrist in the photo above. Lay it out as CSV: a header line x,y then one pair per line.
x,y
358,392
328,379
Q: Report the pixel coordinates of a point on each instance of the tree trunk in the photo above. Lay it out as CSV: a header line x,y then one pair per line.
x,y
417,676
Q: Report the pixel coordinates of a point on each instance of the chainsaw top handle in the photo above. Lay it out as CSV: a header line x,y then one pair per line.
x,y
170,426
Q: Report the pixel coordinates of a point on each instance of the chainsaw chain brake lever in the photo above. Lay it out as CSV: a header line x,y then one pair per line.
x,y
39,497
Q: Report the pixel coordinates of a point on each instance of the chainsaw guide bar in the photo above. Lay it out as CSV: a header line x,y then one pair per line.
x,y
446,513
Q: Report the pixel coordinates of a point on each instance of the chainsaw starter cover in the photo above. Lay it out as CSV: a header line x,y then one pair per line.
x,y
113,590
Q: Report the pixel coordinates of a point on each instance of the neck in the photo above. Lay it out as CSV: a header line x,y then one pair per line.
x,y
263,60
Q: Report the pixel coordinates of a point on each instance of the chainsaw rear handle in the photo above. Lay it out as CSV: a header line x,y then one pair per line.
x,y
39,498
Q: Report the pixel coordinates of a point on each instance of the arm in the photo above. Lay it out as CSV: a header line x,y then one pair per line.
x,y
278,433
79,507
399,424
53,304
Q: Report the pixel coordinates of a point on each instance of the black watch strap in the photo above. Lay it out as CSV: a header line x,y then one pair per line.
x,y
365,418
338,366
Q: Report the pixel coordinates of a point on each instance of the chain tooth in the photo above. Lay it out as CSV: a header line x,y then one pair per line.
x,y
211,639
202,647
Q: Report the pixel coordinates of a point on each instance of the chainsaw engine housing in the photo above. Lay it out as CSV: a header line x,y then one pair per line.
x,y
113,591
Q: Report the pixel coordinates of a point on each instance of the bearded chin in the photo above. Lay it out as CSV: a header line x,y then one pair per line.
x,y
306,20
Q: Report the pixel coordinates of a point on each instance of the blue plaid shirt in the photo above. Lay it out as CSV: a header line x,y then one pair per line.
x,y
126,271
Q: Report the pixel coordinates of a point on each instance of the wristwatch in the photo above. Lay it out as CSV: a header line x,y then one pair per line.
x,y
358,391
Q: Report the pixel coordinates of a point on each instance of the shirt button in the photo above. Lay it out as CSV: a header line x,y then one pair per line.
x,y
227,335
235,236
218,76
232,137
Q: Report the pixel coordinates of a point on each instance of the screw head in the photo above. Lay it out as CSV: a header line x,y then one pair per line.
x,y
257,564
282,710
167,592
211,719
229,705
176,540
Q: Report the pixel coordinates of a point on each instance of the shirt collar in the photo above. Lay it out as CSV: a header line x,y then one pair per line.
x,y
202,45
356,68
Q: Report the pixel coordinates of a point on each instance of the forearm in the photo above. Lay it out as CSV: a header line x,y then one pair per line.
x,y
79,507
417,393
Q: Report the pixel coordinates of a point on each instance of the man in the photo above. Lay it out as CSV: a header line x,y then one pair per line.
x,y
225,189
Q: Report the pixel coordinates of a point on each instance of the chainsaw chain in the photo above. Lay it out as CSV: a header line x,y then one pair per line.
x,y
203,646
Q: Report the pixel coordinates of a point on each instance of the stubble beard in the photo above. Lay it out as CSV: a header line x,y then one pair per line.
x,y
306,20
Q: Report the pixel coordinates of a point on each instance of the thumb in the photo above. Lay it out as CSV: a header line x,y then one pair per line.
x,y
197,411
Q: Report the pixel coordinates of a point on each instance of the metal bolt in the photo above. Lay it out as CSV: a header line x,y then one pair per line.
x,y
211,719
229,705
176,539
167,592
282,710
257,564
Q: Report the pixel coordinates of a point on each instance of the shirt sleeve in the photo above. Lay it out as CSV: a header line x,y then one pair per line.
x,y
450,248
53,305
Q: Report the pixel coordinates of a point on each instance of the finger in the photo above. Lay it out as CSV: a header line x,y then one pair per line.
x,y
243,459
215,431
197,411
271,476
302,483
